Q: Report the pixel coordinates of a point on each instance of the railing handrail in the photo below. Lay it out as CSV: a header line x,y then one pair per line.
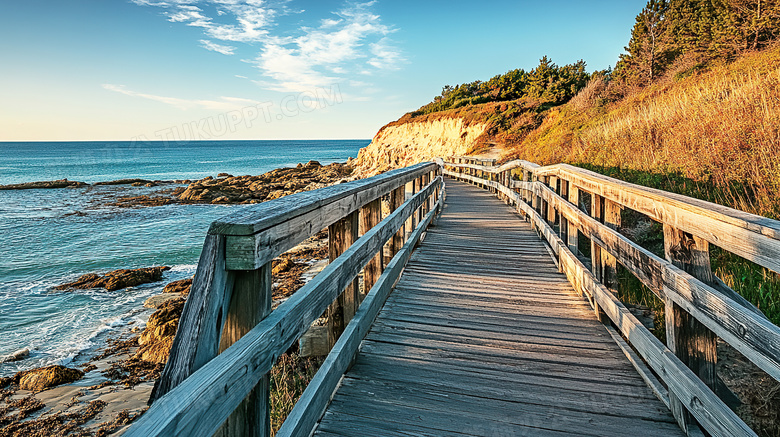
x,y
198,399
715,305
750,236
261,216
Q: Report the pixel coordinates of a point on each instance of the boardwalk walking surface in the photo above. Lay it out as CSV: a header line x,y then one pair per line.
x,y
483,336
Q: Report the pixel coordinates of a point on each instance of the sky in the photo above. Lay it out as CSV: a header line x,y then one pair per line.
x,y
93,70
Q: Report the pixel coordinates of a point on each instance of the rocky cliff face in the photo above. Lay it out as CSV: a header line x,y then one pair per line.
x,y
400,145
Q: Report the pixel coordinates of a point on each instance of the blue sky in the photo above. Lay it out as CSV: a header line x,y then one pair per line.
x,y
256,69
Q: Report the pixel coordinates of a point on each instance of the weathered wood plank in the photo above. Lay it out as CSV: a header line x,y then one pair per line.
x,y
314,399
249,304
200,326
341,235
261,233
370,216
200,403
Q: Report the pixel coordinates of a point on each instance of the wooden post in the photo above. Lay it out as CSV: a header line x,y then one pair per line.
x,y
609,262
249,304
596,211
370,216
411,222
690,340
553,181
341,235
396,200
573,232
563,230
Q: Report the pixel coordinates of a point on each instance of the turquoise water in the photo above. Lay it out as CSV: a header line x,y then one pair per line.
x,y
52,236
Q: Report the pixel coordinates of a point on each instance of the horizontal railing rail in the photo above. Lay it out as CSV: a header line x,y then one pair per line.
x,y
216,379
698,305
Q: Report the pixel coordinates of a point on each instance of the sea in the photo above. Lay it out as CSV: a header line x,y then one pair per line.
x,y
52,236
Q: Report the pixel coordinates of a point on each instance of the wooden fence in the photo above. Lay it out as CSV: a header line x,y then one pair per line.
x,y
698,306
217,377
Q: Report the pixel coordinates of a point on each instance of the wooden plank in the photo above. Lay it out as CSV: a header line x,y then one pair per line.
x,y
705,406
748,235
397,198
200,403
262,232
312,403
573,233
265,215
341,235
197,339
737,322
689,339
249,304
370,216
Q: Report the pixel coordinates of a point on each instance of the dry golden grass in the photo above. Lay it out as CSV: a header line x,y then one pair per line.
x,y
720,128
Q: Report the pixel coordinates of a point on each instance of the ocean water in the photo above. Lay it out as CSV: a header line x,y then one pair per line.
x,y
51,236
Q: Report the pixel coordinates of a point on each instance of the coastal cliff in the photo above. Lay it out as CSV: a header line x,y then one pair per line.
x,y
400,144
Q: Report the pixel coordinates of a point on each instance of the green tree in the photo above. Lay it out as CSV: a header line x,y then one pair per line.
x,y
649,50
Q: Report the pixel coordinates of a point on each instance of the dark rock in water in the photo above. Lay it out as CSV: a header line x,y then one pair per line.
x,y
45,377
60,183
157,338
126,182
116,279
181,286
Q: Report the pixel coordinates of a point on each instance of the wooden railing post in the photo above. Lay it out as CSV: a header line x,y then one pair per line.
x,y
250,303
553,182
370,216
563,230
609,262
572,231
596,260
688,338
341,235
397,198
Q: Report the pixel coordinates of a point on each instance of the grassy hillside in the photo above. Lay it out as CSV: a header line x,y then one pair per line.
x,y
712,133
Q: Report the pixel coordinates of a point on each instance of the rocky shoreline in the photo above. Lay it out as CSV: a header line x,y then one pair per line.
x,y
59,400
222,189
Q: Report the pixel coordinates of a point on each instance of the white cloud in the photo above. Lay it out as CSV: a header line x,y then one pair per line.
x,y
219,48
353,41
224,104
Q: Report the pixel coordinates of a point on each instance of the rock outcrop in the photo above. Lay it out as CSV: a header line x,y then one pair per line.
x,y
60,183
45,377
181,286
402,144
157,338
116,279
268,186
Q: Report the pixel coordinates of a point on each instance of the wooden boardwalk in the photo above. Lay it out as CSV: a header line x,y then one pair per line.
x,y
483,336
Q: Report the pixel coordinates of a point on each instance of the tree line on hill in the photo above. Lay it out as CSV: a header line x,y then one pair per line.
x,y
681,36
693,32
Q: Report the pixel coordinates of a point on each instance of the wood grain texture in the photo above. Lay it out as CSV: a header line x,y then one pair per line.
x,y
341,235
476,342
262,232
730,316
315,398
201,403
370,216
249,304
200,325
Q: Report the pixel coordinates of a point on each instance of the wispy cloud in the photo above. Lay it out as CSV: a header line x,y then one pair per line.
x,y
223,104
219,48
352,40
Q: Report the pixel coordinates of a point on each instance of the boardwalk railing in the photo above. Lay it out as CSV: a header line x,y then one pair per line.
x,y
698,306
216,379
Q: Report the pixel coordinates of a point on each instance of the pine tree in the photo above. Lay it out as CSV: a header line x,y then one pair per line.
x,y
648,51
